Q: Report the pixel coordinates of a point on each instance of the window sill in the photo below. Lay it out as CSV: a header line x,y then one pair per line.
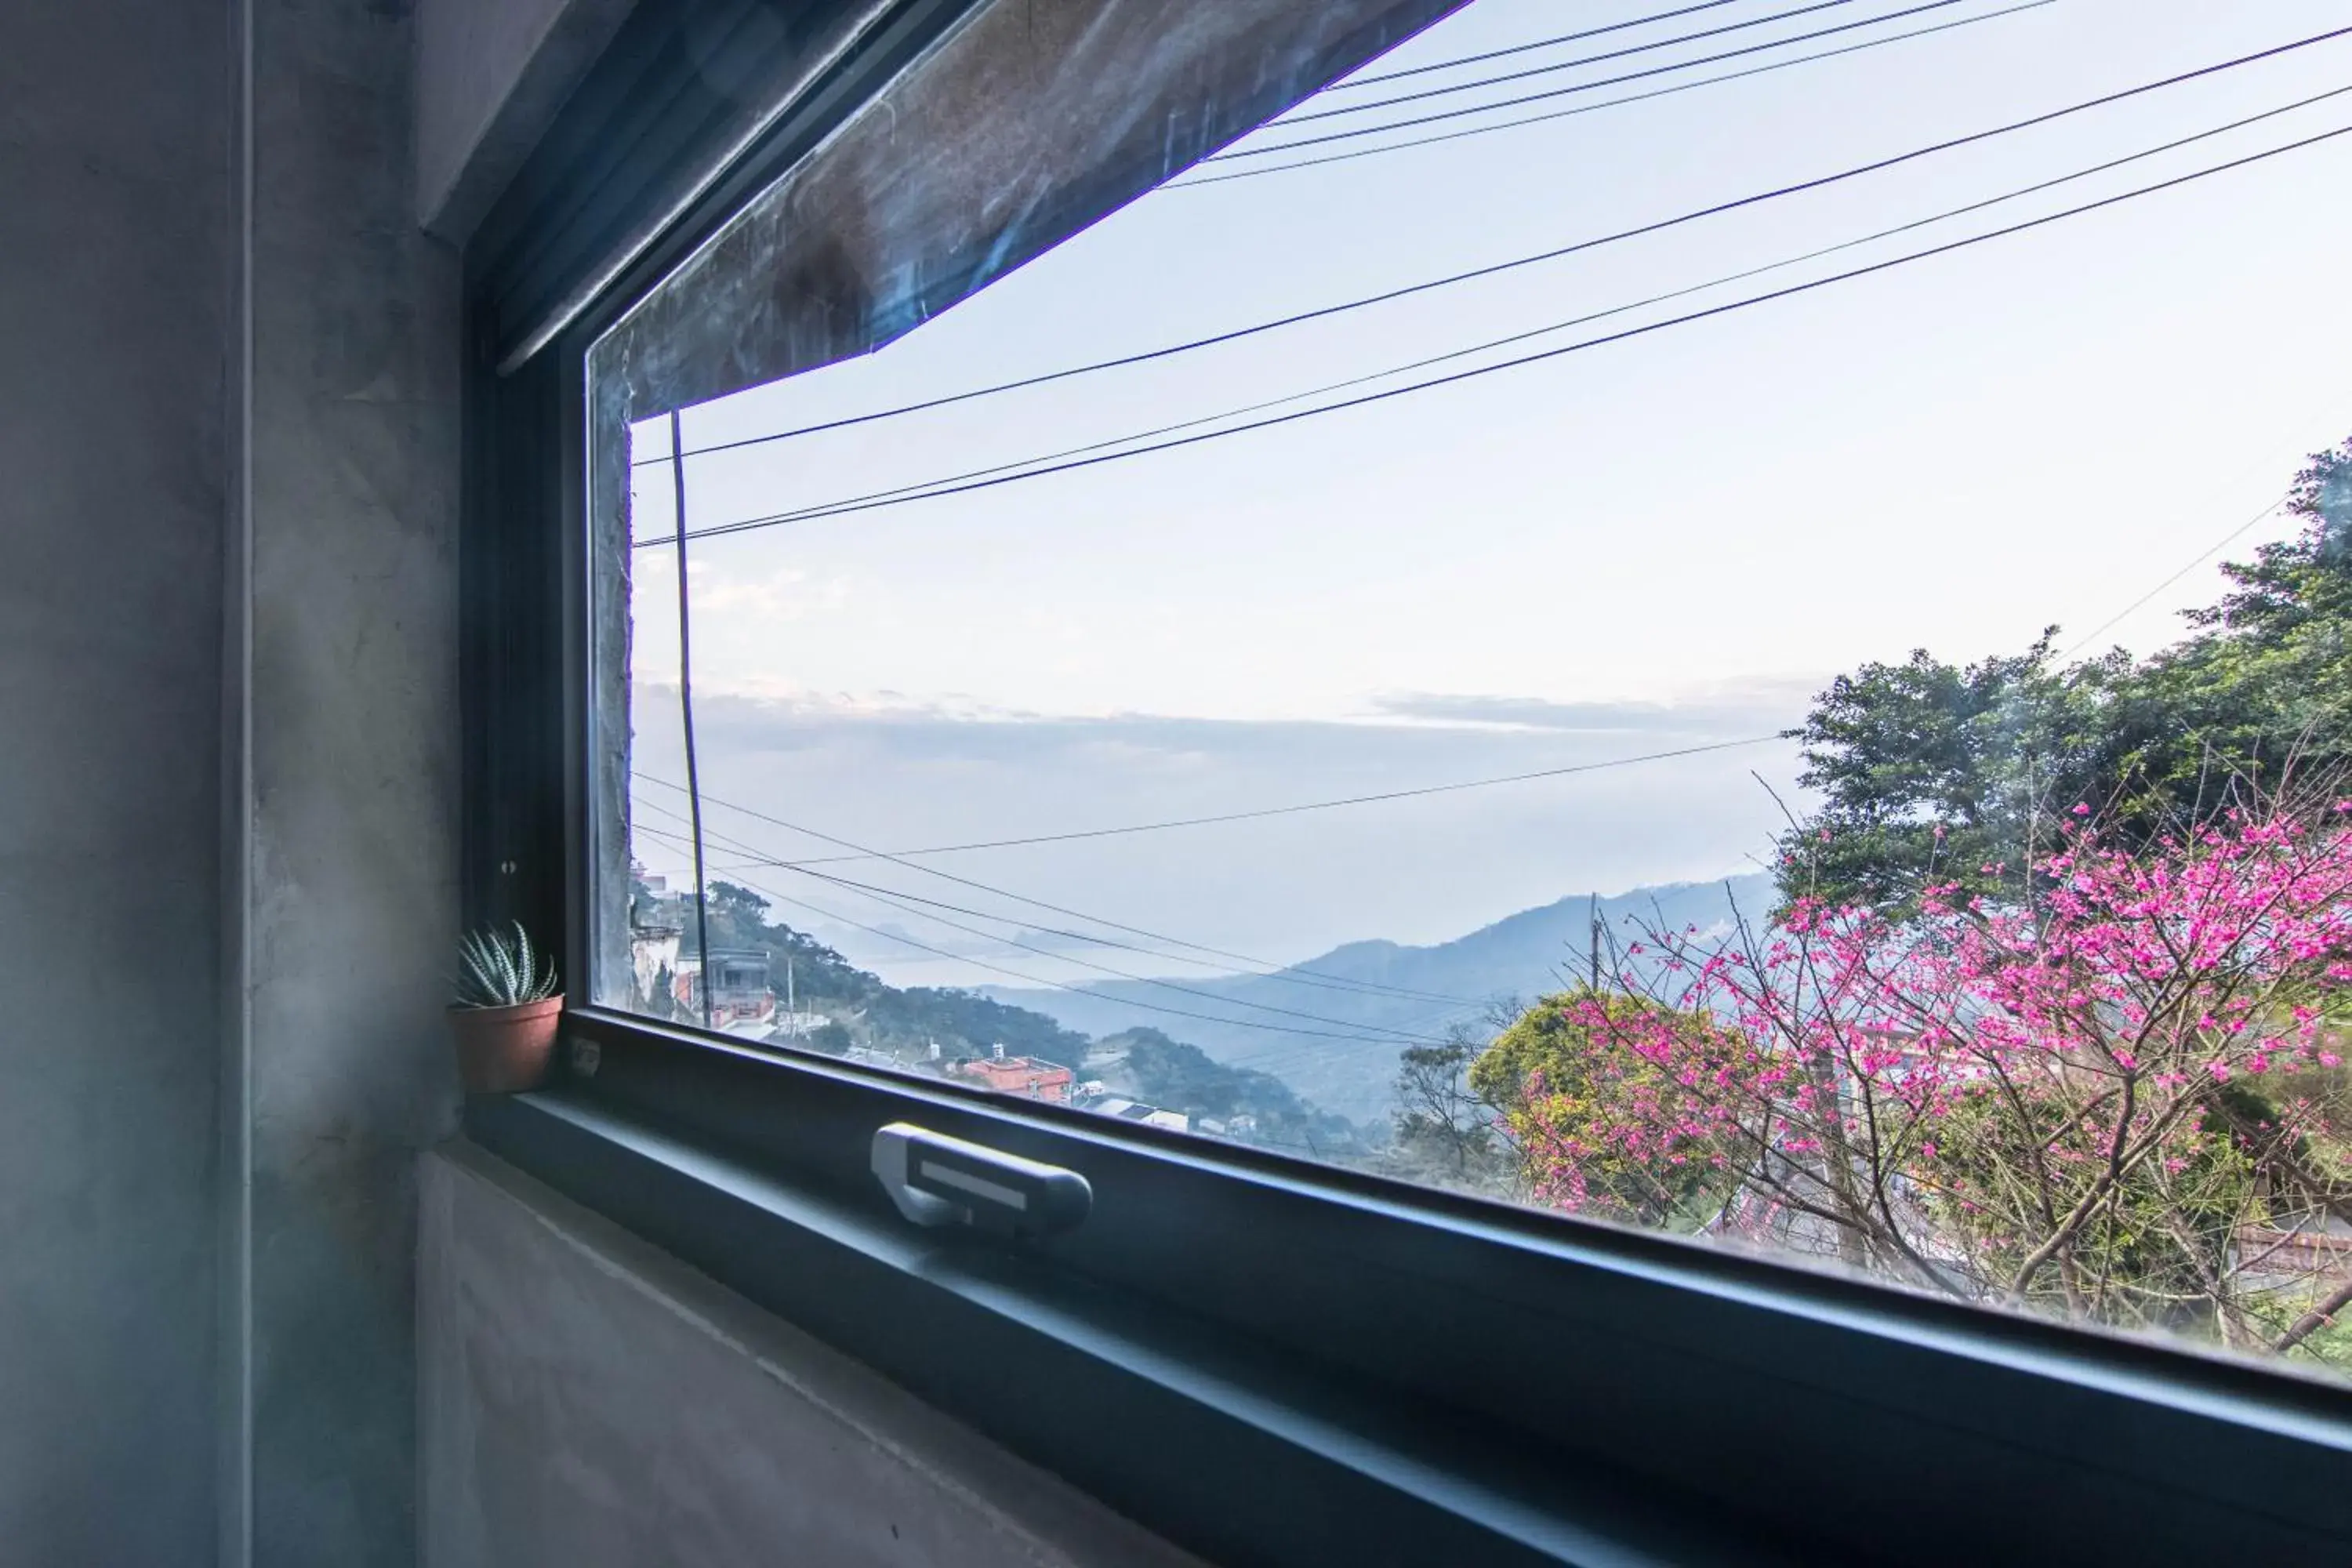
x,y
1286,1364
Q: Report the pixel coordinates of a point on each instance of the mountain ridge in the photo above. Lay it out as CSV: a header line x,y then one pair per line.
x,y
1515,958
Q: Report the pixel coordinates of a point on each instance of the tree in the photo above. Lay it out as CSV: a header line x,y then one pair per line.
x,y
1599,1129
738,918
1175,1076
2305,582
963,1022
1934,771
2066,1098
1441,1121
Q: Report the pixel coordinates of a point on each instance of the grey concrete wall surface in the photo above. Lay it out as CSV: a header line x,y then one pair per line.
x,y
490,75
227,778
114,284
229,847
586,1400
345,828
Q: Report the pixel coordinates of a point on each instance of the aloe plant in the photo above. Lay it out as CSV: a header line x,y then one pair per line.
x,y
501,970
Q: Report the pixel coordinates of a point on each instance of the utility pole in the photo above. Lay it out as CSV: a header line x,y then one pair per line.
x,y
686,711
1593,919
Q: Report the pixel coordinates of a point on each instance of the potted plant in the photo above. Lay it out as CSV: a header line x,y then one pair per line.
x,y
506,1012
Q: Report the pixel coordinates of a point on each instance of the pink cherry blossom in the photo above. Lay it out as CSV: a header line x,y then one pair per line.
x,y
2014,1098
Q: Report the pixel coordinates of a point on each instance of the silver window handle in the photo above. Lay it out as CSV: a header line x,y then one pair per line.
x,y
937,1180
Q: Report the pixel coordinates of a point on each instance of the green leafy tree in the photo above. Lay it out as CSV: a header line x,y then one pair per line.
x,y
1930,772
1445,1130
1567,1097
964,1023
738,918
1176,1076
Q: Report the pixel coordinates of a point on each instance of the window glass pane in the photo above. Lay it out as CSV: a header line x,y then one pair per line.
x,y
1734,624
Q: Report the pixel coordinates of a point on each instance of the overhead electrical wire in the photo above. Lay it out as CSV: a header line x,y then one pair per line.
x,y
1514,263
902,900
1041,468
1460,61
1452,1008
1292,972
895,897
893,900
1289,119
765,861
892,895
1190,180
2202,556
887,897
1546,96
918,489
1055,984
1263,813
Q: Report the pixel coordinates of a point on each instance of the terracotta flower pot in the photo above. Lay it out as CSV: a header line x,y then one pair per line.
x,y
506,1050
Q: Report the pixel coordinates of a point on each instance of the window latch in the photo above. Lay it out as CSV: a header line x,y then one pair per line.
x,y
936,1180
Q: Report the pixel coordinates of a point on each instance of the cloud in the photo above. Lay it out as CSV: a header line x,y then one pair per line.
x,y
794,776
888,725
1750,707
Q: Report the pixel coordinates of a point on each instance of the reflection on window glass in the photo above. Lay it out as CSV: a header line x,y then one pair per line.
x,y
1758,648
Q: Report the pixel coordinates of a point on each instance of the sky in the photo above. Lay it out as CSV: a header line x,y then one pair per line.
x,y
1660,544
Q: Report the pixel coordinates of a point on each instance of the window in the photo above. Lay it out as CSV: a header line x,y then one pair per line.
x,y
1668,682
1744,858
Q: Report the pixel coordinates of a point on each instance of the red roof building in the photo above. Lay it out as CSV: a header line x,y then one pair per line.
x,y
1022,1075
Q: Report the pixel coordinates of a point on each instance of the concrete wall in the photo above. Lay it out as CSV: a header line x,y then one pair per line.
x,y
114,282
586,1400
344,828
227,777
490,75
228,789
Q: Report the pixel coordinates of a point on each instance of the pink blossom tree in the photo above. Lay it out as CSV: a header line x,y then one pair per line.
x,y
2096,1097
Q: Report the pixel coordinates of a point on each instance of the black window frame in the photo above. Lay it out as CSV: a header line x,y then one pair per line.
x,y
1264,1359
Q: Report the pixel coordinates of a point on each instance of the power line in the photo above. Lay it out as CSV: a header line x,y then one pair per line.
x,y
1278,1057
1512,264
919,490
1297,1050
889,895
1075,936
1191,180
952,487
884,897
1053,985
1272,811
1551,93
1362,81
2202,556
1292,973
1558,66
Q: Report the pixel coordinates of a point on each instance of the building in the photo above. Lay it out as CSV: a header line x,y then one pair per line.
x,y
739,991
1149,1115
653,955
1024,1076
